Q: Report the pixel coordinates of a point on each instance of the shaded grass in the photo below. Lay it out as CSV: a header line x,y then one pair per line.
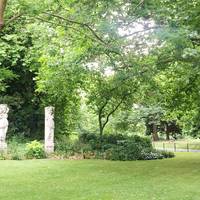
x,y
168,179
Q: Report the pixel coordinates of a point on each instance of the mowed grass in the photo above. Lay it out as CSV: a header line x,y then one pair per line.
x,y
169,179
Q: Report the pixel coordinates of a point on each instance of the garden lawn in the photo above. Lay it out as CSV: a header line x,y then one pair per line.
x,y
170,179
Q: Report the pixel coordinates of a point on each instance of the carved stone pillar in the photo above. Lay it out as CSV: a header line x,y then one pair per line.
x,y
49,129
3,126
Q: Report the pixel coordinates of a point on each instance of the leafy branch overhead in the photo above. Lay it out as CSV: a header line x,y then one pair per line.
x,y
110,55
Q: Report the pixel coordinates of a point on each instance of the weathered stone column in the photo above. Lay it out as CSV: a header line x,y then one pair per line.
x,y
49,129
3,126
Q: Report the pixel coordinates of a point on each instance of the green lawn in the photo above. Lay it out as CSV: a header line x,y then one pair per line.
x,y
170,179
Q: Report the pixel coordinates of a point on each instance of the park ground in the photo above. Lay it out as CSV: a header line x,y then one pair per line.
x,y
169,179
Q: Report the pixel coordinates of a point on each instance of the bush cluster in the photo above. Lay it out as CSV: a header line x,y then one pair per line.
x,y
35,149
20,149
155,154
107,141
112,147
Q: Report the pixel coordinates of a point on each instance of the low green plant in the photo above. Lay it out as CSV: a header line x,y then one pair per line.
x,y
17,156
132,149
3,156
154,155
63,144
35,149
16,148
110,147
65,147
167,154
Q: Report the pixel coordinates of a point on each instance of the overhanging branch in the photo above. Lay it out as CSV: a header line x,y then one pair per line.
x,y
142,31
113,111
78,23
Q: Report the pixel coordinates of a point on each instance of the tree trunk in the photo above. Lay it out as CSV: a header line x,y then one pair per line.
x,y
167,131
155,134
2,9
101,128
100,131
167,136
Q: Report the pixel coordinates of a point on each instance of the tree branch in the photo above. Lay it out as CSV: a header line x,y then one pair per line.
x,y
15,17
66,26
88,27
138,5
113,111
102,107
142,31
80,24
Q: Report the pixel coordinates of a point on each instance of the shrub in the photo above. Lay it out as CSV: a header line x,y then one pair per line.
x,y
66,147
35,150
167,154
16,148
151,155
2,156
63,144
111,147
107,141
17,156
118,147
132,149
155,154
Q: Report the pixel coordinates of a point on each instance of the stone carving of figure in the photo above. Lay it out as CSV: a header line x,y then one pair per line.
x,y
3,125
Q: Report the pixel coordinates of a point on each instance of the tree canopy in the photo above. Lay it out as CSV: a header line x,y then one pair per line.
x,y
113,53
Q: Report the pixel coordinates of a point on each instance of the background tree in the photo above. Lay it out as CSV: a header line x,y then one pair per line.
x,y
18,69
151,47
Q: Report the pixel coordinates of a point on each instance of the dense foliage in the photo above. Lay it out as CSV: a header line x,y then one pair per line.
x,y
111,147
105,55
35,150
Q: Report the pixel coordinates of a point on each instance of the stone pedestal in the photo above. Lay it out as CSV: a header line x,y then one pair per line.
x,y
3,126
49,129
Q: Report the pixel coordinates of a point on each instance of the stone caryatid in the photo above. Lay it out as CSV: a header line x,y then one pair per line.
x,y
49,129
3,126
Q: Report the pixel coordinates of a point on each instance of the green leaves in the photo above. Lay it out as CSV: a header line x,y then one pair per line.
x,y
5,74
74,47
